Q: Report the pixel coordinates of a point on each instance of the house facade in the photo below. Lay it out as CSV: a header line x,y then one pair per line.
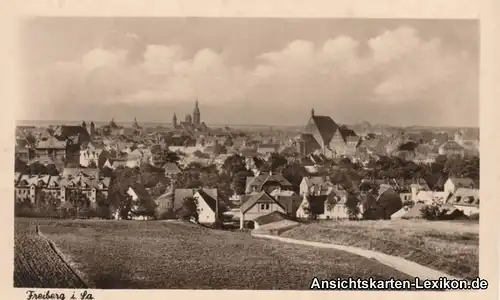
x,y
322,133
454,183
257,205
451,148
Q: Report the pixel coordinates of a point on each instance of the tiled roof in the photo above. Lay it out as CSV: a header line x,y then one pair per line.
x,y
465,196
258,197
326,127
451,145
291,203
462,182
261,179
51,143
210,196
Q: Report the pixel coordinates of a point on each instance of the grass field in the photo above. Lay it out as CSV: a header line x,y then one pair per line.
x,y
36,264
164,255
448,246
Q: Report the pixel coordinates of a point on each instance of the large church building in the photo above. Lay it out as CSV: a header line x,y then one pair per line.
x,y
321,134
191,122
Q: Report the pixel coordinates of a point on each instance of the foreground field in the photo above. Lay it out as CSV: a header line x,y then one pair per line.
x,y
36,264
164,255
450,247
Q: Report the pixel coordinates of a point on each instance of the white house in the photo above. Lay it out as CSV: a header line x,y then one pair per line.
x,y
466,200
454,183
208,205
325,207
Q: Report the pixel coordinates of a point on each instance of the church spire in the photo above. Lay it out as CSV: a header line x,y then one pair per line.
x,y
196,114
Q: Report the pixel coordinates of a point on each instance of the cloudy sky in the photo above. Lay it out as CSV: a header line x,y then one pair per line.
x,y
251,71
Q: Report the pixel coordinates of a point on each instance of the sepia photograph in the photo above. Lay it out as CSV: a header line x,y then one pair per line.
x,y
237,153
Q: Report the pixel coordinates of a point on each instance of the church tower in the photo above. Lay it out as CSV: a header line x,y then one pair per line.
x,y
196,114
92,129
174,121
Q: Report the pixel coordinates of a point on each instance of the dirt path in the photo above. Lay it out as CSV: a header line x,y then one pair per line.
x,y
398,263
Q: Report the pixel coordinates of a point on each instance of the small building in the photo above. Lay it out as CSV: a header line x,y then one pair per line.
x,y
258,204
268,182
466,200
451,148
454,183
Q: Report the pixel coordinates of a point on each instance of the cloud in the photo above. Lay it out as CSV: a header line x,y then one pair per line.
x,y
398,66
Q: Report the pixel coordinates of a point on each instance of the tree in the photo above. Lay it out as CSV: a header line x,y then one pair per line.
x,y
233,164
189,209
306,207
19,165
51,170
37,168
352,204
432,212
92,164
79,200
103,209
294,172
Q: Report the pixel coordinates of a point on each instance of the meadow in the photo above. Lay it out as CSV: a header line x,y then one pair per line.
x,y
449,246
176,255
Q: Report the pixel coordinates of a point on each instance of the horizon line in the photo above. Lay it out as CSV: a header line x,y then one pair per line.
x,y
17,121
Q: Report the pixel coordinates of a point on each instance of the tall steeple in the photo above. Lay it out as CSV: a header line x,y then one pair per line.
x,y
174,121
196,114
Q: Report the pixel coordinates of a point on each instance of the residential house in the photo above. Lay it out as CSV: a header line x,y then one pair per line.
x,y
431,197
208,205
27,187
372,147
138,195
466,200
451,148
258,204
264,149
51,148
89,154
289,200
326,207
315,185
454,183
207,201
82,179
268,182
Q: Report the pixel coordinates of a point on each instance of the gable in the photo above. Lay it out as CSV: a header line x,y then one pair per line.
x,y
261,197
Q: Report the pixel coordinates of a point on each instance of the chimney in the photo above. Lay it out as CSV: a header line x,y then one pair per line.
x,y
414,190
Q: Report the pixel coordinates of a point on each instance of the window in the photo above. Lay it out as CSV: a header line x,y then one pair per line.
x,y
262,206
458,198
267,206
